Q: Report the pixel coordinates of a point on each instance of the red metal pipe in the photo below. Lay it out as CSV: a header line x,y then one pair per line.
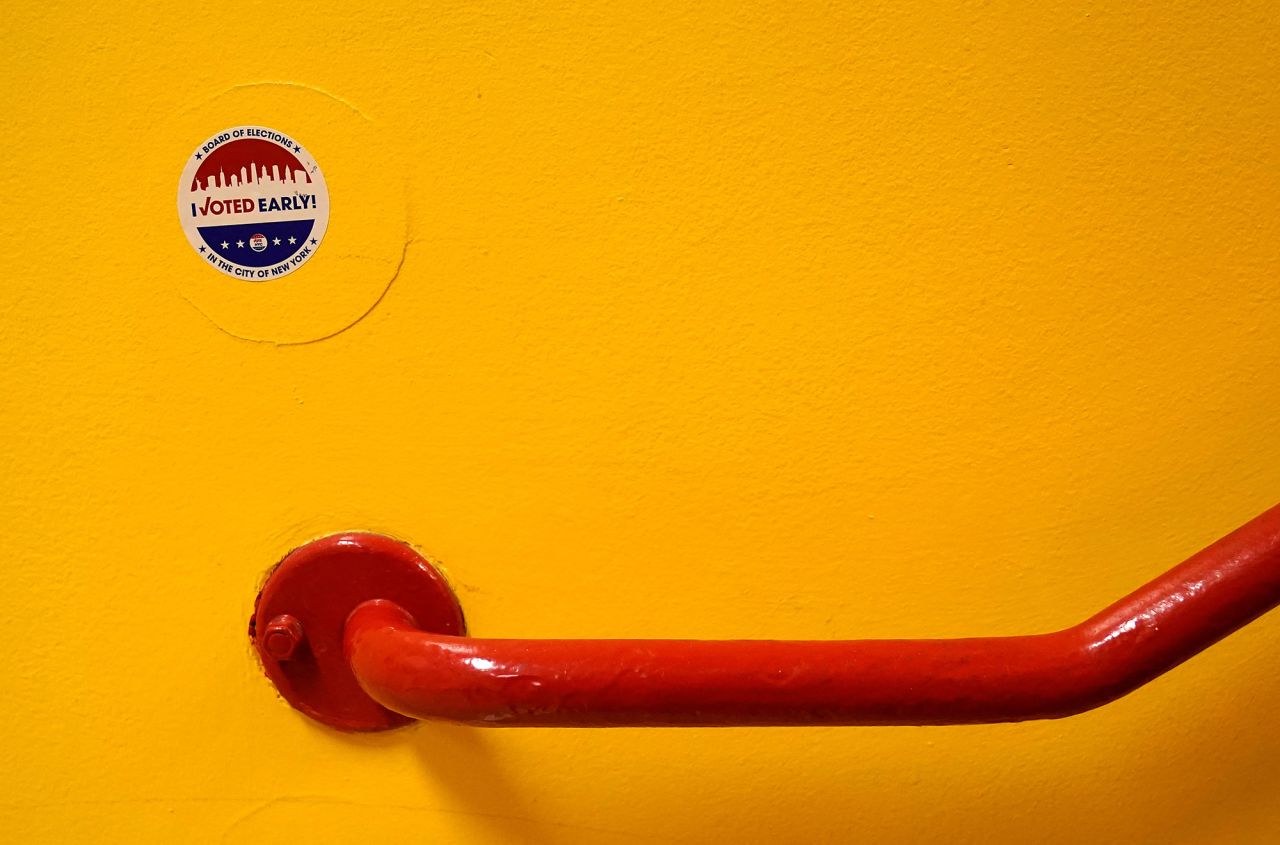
x,y
857,682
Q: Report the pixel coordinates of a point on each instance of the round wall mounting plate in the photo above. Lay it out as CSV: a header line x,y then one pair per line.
x,y
299,617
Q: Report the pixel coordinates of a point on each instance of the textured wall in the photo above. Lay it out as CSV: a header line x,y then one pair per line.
x,y
761,320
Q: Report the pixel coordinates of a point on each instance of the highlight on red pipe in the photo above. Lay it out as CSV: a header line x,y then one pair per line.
x,y
361,633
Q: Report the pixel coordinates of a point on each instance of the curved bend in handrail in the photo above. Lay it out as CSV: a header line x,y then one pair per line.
x,y
859,682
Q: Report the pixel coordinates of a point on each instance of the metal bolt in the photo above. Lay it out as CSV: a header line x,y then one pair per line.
x,y
282,636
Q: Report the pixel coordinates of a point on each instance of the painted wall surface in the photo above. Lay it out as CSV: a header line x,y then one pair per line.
x,y
695,320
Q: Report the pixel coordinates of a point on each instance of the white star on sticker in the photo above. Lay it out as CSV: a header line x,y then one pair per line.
x,y
225,244
293,240
276,241
239,243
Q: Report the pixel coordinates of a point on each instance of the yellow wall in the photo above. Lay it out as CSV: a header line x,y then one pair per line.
x,y
706,320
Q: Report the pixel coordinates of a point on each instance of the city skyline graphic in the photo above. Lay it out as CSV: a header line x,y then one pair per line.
x,y
249,162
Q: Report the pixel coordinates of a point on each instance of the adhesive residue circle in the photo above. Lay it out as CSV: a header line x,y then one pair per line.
x,y
253,203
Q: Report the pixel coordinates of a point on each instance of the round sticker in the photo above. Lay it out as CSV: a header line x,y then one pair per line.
x,y
253,203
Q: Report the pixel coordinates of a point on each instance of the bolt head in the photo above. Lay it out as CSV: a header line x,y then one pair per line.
x,y
282,637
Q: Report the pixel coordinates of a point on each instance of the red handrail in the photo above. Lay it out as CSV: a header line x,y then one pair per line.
x,y
859,682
